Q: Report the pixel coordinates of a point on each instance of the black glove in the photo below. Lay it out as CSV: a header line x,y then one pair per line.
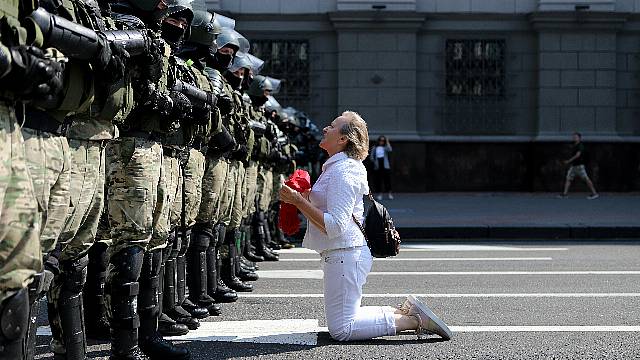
x,y
224,104
240,153
146,93
181,105
32,75
111,60
201,114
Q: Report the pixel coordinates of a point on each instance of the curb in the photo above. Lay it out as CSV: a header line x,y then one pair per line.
x,y
520,232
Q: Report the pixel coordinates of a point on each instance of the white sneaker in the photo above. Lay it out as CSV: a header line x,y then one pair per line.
x,y
379,197
429,323
593,196
390,196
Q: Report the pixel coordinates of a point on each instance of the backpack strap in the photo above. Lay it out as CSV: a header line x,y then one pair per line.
x,y
361,228
370,196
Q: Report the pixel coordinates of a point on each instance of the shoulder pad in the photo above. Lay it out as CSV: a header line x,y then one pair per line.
x,y
215,77
129,20
179,61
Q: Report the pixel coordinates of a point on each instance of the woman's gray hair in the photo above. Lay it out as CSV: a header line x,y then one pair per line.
x,y
357,135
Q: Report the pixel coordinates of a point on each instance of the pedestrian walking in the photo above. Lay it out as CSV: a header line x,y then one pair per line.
x,y
577,168
330,206
379,156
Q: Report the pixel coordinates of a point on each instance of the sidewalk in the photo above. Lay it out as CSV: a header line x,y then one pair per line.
x,y
515,216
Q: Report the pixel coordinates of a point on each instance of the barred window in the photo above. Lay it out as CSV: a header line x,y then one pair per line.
x,y
287,60
475,68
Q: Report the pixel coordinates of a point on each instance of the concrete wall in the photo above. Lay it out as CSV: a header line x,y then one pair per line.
x,y
566,70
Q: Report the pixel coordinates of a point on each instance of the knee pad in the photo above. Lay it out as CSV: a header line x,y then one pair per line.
x,y
74,274
127,264
186,242
200,240
14,317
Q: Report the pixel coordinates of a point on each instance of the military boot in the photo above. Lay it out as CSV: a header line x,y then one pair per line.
x,y
222,293
65,311
95,310
170,300
229,265
261,231
14,318
187,305
122,289
249,250
242,264
149,310
202,236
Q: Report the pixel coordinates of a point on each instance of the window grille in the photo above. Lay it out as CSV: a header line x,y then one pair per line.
x,y
475,89
287,60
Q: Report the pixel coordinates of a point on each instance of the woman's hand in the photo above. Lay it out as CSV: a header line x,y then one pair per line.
x,y
290,196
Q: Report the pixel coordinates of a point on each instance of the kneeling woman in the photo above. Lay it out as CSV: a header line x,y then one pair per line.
x,y
346,260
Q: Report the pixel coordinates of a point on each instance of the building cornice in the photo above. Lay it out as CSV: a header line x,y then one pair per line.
x,y
378,20
589,20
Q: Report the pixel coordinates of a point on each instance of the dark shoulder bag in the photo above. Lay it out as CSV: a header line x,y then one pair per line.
x,y
378,229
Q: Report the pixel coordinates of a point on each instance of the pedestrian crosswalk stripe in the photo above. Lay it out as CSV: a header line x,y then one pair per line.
x,y
442,247
305,331
284,331
498,295
403,259
546,328
317,274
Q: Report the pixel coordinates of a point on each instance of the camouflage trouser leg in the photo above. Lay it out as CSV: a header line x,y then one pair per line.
x,y
278,180
213,190
48,160
250,184
237,211
265,184
228,193
20,256
227,202
134,169
192,177
87,198
168,194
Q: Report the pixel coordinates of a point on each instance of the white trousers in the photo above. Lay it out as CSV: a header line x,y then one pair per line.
x,y
345,272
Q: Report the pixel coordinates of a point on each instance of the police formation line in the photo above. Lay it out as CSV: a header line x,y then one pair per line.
x,y
141,153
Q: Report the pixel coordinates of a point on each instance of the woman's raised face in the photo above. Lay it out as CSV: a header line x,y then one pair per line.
x,y
332,140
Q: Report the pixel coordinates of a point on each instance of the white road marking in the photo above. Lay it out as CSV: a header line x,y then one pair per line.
x,y
285,331
317,274
438,259
305,331
442,247
546,328
471,247
498,295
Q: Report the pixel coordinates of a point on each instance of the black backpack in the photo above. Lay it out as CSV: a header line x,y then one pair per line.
x,y
381,235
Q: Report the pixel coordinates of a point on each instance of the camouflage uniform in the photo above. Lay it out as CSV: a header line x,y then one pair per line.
x,y
49,164
20,252
88,134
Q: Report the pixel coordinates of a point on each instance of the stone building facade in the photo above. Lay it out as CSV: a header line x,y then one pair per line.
x,y
474,94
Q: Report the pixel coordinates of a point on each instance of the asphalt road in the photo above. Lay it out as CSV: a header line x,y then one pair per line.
x,y
523,300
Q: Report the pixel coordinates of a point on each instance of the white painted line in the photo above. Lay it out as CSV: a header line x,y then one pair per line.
x,y
290,274
305,331
442,247
545,328
471,247
43,331
285,331
317,274
449,296
586,272
438,259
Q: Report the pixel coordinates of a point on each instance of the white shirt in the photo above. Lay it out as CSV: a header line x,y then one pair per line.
x,y
338,193
379,152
